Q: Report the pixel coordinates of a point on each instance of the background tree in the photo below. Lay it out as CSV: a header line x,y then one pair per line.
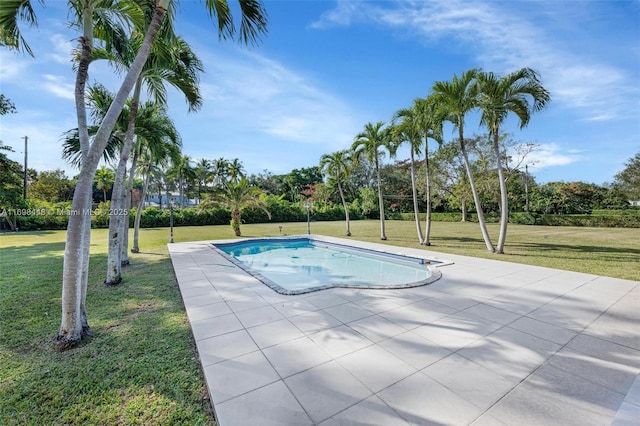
x,y
236,196
367,144
628,180
204,175
52,186
337,166
6,106
104,180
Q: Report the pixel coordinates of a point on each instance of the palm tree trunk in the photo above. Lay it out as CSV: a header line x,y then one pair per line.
x,y
427,235
118,198
235,221
136,224
463,207
414,191
346,208
78,237
380,202
476,197
504,206
74,325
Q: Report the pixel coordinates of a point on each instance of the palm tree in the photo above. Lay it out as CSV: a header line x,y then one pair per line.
x,y
74,325
455,99
104,180
337,166
236,196
496,98
367,144
203,173
171,61
408,130
157,149
235,170
220,171
182,171
430,121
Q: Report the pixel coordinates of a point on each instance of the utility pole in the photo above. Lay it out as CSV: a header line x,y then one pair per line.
x,y
24,190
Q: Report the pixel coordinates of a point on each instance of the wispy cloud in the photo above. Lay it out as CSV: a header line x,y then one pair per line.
x,y
552,155
61,49
58,86
503,39
264,95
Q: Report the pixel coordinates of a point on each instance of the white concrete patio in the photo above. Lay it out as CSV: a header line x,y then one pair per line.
x,y
490,343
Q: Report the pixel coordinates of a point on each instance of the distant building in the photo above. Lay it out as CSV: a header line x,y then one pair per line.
x,y
174,198
635,203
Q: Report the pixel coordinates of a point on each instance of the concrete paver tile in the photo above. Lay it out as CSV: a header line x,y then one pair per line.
x,y
215,326
272,405
274,332
543,330
474,383
239,375
225,346
296,355
414,350
339,341
551,396
371,412
326,390
375,367
421,400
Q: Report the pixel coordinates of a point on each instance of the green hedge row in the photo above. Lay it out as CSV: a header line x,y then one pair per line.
x,y
153,217
615,220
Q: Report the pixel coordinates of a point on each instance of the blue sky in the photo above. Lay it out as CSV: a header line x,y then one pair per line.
x,y
326,68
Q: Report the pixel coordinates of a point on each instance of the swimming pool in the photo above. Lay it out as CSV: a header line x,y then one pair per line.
x,y
303,265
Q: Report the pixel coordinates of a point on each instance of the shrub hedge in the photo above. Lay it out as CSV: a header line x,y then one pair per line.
x,y
57,218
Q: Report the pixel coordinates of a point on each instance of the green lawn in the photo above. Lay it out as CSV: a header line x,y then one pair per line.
x,y
140,365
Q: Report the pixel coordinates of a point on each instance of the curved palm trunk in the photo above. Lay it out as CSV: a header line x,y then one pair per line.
x,y
476,197
124,254
380,202
346,208
118,199
136,224
427,233
76,258
504,206
414,191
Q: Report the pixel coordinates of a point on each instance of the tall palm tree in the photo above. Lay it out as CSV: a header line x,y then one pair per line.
x,y
74,325
236,196
158,148
172,62
430,121
337,166
497,97
455,99
409,130
203,173
368,144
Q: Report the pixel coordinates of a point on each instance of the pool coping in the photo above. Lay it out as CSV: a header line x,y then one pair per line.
x,y
435,273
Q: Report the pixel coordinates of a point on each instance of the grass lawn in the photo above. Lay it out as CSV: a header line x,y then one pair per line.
x,y
140,366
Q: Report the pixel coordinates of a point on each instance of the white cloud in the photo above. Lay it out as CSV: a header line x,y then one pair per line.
x,y
258,93
58,86
503,39
62,48
552,155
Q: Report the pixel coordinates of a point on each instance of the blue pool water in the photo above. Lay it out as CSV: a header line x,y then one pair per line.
x,y
301,265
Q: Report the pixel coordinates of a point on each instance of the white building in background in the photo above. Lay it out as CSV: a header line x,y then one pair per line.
x,y
174,198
